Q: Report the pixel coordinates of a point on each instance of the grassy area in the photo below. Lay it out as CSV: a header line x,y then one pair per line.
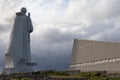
x,y
96,75
91,74
22,79
65,76
54,73
97,78
115,79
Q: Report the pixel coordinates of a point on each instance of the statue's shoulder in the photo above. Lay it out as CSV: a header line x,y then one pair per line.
x,y
20,14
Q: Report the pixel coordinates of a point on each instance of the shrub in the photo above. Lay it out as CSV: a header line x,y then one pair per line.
x,y
115,79
97,78
25,79
90,74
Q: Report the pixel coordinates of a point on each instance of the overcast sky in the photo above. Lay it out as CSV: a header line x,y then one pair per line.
x,y
57,23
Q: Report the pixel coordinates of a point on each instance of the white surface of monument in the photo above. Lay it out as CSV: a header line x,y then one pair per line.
x,y
18,53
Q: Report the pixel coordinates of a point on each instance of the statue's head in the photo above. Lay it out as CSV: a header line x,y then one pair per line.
x,y
23,10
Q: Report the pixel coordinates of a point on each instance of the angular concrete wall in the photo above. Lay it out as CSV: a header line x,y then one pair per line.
x,y
91,55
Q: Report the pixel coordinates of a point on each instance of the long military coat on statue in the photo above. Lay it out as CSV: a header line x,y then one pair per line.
x,y
18,50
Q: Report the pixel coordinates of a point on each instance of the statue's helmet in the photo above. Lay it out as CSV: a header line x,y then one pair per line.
x,y
23,10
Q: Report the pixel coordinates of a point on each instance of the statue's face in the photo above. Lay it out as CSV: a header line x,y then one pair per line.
x,y
23,10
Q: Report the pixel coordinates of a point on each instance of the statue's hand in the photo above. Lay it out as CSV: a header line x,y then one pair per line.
x,y
28,14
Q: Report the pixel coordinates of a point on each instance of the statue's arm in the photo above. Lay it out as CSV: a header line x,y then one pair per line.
x,y
30,26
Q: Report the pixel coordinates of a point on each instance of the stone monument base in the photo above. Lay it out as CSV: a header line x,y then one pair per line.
x,y
14,70
23,67
8,70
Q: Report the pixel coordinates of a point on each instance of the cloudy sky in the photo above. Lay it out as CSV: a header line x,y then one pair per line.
x,y
57,23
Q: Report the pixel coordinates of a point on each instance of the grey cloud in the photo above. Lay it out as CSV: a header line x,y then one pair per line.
x,y
56,36
98,27
4,28
114,9
49,61
54,51
108,35
106,9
